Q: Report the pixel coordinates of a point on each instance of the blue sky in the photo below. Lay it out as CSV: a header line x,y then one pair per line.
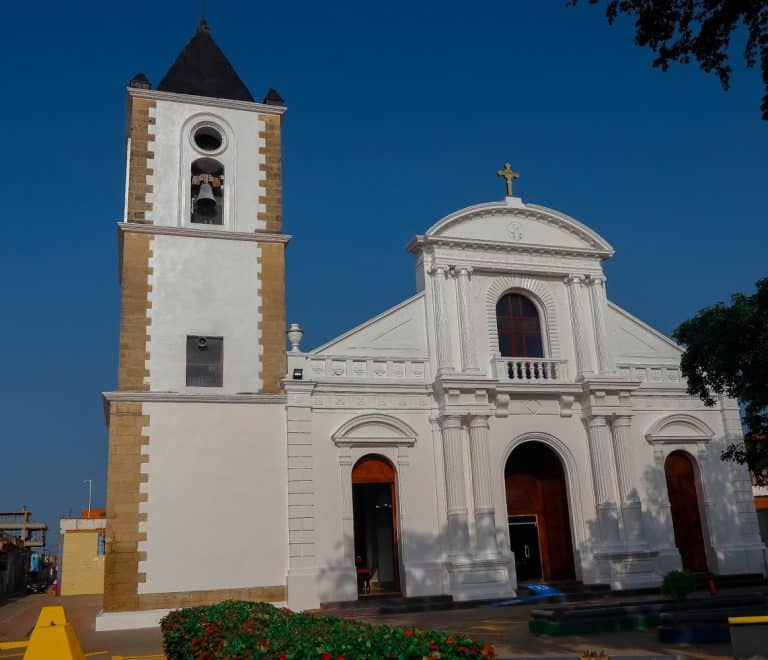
x,y
399,113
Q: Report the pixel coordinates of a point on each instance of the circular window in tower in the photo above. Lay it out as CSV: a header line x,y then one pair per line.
x,y
208,138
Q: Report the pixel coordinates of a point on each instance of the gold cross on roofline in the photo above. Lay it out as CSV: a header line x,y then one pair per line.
x,y
509,175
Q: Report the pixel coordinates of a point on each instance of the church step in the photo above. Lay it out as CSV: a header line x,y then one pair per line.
x,y
388,604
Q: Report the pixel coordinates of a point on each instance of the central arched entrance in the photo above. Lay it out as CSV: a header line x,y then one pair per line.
x,y
686,515
374,505
537,509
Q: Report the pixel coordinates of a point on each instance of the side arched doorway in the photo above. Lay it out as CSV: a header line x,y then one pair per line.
x,y
686,515
374,505
537,510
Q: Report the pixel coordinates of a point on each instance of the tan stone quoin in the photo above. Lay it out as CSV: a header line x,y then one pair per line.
x,y
272,324
124,478
134,322
273,197
139,160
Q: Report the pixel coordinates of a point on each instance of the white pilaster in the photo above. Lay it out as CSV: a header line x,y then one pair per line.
x,y
485,513
458,530
302,576
601,459
575,293
442,330
468,354
347,512
605,359
631,509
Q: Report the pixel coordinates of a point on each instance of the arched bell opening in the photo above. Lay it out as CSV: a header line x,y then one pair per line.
x,y
374,504
207,190
684,497
538,514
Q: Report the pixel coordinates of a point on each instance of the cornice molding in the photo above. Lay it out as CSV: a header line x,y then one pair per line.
x,y
191,397
249,106
421,242
257,237
359,386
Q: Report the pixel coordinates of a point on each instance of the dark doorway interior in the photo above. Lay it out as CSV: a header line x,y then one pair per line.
x,y
374,507
537,506
524,541
686,515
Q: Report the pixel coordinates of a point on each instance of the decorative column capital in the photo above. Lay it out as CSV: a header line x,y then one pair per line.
x,y
624,421
597,280
450,421
438,269
573,279
596,421
464,271
479,422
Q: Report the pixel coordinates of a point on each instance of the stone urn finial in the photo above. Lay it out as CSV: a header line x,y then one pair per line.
x,y
295,333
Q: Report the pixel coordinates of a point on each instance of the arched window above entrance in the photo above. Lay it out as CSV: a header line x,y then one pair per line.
x,y
373,469
519,327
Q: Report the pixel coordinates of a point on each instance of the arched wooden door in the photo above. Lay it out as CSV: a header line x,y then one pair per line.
x,y
537,510
374,504
686,515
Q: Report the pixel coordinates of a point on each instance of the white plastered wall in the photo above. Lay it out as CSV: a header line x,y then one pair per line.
x,y
420,544
216,497
174,152
204,286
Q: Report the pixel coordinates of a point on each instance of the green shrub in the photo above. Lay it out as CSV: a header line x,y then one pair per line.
x,y
678,584
244,630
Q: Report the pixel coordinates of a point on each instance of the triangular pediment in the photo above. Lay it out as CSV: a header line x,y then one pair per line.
x,y
634,340
515,223
398,332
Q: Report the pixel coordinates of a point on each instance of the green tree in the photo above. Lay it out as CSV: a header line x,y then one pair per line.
x,y
726,354
681,30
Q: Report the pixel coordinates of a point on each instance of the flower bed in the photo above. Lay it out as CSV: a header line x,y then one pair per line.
x,y
238,629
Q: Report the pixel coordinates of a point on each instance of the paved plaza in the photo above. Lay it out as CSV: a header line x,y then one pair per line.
x,y
505,627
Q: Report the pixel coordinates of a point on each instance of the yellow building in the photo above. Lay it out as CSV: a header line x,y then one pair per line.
x,y
82,553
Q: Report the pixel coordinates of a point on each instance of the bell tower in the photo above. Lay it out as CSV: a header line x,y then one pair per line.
x,y
202,323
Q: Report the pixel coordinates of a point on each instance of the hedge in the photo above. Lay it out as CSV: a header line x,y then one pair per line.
x,y
244,630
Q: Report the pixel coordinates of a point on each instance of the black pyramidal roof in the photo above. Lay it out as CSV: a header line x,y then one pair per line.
x,y
203,70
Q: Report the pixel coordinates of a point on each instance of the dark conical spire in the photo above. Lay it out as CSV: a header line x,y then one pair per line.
x,y
203,70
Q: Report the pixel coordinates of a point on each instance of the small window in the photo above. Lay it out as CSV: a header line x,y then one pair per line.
x,y
205,361
208,138
101,545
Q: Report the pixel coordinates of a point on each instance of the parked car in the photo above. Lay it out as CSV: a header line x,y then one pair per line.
x,y
37,586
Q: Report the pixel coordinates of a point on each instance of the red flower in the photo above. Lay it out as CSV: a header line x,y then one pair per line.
x,y
433,646
326,656
449,641
408,633
341,657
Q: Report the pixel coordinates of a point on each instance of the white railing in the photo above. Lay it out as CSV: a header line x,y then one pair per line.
x,y
531,370
341,367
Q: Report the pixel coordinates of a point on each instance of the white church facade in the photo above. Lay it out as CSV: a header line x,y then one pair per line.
x,y
505,424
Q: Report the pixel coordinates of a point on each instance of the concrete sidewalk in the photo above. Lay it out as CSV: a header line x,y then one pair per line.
x,y
18,617
505,627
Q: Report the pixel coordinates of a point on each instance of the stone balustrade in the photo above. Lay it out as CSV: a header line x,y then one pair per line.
x,y
531,370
